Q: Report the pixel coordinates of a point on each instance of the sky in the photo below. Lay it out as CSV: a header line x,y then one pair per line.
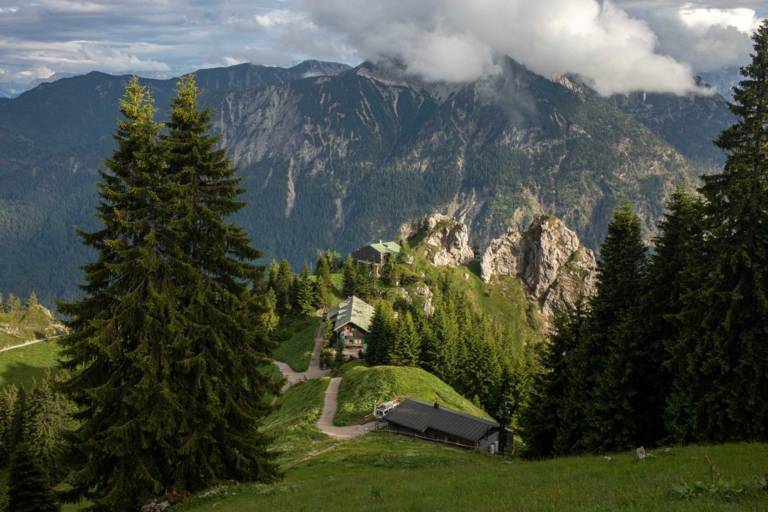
x,y
617,46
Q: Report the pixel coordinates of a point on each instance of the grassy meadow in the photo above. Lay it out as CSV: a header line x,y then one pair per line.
x,y
299,342
29,323
23,366
385,472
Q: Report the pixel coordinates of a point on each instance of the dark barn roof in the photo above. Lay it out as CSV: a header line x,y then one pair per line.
x,y
422,416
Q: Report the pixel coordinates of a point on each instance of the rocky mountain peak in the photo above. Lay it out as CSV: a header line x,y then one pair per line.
x,y
555,269
446,240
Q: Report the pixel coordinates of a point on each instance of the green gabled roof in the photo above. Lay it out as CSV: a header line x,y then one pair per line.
x,y
353,311
387,247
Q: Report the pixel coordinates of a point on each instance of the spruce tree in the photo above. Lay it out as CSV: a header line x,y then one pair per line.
x,y
727,317
29,489
614,354
406,348
543,424
8,398
283,288
32,300
12,303
219,374
350,277
381,339
164,348
305,292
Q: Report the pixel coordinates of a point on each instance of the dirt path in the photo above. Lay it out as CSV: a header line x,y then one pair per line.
x,y
27,343
330,405
314,371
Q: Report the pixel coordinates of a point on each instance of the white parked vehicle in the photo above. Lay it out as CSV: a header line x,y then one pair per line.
x,y
382,410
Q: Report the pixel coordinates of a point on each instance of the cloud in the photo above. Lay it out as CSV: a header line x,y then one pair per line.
x,y
708,38
457,40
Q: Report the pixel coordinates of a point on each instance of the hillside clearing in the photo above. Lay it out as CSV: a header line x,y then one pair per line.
x,y
296,350
362,388
384,472
23,366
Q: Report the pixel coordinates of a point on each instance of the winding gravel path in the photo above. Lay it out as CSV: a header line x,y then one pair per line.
x,y
330,403
27,343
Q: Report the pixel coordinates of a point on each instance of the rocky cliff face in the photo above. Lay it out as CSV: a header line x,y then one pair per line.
x,y
447,241
556,270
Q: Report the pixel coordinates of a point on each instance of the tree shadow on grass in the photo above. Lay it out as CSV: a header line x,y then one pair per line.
x,y
22,375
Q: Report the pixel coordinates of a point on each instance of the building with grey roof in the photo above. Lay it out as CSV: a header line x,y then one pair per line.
x,y
436,423
352,321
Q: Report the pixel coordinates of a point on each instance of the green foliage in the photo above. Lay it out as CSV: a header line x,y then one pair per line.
x,y
363,388
28,487
166,351
406,348
381,339
350,277
297,343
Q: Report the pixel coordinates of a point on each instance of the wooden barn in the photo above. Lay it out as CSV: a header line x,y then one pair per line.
x,y
435,423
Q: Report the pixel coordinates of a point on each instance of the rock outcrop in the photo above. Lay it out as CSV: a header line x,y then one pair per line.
x,y
555,269
447,241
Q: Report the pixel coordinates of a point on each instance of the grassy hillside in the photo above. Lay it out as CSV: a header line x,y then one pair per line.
x,y
293,421
22,366
25,324
299,337
362,388
383,472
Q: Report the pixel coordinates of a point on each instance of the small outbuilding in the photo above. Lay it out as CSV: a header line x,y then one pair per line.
x,y
352,321
435,423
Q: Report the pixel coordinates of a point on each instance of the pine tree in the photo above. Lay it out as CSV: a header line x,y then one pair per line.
x,y
406,348
12,303
677,250
32,300
28,487
305,292
283,287
381,339
8,398
726,319
48,419
350,277
225,393
165,348
625,382
544,427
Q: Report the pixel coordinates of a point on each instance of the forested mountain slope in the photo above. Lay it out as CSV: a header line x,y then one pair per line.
x,y
335,157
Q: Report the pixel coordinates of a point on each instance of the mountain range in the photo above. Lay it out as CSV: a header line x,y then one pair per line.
x,y
334,156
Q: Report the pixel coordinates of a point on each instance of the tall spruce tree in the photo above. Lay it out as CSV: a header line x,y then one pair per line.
x,y
381,339
350,277
164,350
727,317
677,251
613,355
543,423
29,489
406,348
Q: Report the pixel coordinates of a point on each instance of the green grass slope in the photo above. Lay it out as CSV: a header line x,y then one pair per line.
x,y
23,366
384,472
299,342
292,423
363,387
26,324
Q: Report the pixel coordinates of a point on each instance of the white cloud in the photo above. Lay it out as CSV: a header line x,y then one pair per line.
x,y
458,40
743,19
39,72
11,10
